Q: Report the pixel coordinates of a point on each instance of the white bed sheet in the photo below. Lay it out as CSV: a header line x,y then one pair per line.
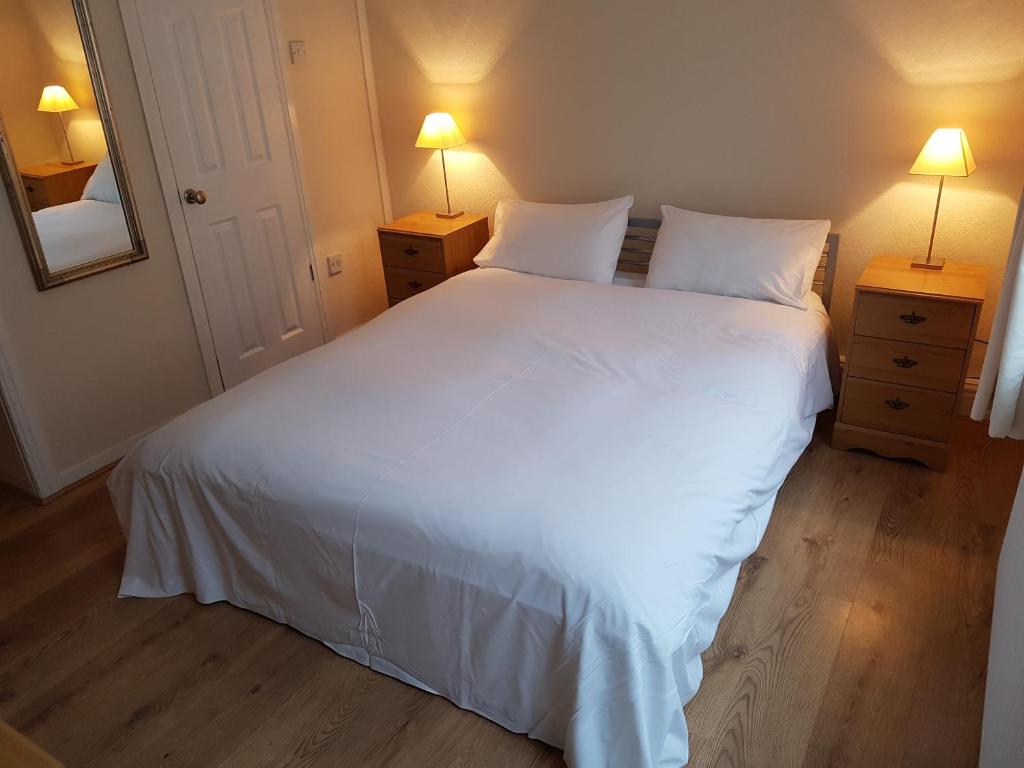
x,y
80,232
529,495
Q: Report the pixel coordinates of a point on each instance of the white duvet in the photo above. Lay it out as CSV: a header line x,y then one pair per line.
x,y
80,232
528,495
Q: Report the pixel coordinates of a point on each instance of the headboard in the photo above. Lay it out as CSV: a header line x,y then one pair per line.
x,y
641,234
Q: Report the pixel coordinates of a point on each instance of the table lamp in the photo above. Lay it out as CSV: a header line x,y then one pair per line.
x,y
56,99
439,131
946,153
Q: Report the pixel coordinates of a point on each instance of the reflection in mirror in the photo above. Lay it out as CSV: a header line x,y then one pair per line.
x,y
61,160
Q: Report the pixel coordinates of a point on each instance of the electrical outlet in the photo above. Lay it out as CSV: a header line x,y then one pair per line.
x,y
334,265
297,51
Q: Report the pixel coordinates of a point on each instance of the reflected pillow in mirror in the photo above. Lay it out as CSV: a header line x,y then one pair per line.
x,y
102,186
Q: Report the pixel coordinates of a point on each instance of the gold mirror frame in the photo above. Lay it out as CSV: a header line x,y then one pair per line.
x,y
46,279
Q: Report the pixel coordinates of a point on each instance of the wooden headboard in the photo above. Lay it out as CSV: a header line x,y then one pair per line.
x,y
641,234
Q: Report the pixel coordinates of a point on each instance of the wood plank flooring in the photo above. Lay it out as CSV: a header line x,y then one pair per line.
x,y
858,636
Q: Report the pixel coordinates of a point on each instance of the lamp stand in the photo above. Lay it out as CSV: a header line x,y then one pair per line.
x,y
928,262
447,200
67,141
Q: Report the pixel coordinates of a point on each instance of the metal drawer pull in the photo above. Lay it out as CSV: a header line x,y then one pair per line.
x,y
897,404
410,251
415,284
913,318
904,362
30,189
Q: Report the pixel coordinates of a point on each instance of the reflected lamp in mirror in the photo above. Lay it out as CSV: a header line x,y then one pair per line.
x,y
946,153
440,131
55,98
76,217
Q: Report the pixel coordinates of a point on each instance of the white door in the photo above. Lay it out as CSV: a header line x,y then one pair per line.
x,y
215,78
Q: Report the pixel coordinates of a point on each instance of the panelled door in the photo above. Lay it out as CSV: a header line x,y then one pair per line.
x,y
215,78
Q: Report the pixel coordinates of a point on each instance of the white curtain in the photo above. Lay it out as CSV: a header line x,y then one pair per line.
x,y
1002,379
1002,390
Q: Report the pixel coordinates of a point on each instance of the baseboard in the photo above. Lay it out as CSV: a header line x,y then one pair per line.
x,y
71,475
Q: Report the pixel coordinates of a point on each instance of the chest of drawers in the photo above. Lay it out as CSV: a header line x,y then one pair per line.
x,y
908,356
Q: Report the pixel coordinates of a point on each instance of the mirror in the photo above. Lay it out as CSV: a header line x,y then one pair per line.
x,y
59,153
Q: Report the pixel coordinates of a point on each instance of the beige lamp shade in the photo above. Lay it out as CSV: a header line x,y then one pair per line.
x,y
946,153
56,99
439,131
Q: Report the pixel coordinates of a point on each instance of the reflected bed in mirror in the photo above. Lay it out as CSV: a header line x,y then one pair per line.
x,y
60,158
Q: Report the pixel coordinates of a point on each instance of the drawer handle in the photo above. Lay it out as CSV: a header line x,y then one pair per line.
x,y
410,251
897,404
913,318
904,362
415,284
30,189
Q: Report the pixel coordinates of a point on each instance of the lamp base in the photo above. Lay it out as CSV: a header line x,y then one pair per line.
x,y
921,262
449,215
72,163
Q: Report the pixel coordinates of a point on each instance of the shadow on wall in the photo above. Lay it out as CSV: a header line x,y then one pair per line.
x,y
798,108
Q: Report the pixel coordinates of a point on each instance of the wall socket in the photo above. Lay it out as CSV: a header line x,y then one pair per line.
x,y
334,265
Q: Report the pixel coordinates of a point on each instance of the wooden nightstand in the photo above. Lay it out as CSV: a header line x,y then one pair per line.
x,y
55,183
420,250
908,356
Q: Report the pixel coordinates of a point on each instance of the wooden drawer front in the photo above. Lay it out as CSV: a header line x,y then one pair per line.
x,y
903,362
946,323
35,190
906,411
408,252
403,283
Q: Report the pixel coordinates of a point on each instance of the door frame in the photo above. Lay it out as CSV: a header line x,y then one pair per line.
x,y
169,184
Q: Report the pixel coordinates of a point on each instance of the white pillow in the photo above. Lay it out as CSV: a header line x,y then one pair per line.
x,y
766,259
573,242
102,185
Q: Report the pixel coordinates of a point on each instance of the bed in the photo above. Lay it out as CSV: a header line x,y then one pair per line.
x,y
82,231
529,495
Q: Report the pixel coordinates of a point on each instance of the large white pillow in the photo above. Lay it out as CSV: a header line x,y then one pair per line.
x,y
573,242
102,185
766,259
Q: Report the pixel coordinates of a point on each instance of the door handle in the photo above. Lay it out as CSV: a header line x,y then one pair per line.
x,y
194,196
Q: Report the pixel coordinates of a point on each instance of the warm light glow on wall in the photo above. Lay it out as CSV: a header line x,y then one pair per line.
x,y
945,43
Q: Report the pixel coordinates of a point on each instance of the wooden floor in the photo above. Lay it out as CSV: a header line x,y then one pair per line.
x,y
858,636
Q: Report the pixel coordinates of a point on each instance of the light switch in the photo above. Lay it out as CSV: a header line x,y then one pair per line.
x,y
334,265
297,50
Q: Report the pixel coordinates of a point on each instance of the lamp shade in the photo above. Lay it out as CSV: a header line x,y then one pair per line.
x,y
56,99
439,131
946,153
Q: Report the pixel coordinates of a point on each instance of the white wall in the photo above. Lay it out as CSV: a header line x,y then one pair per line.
x,y
793,108
31,132
104,359
335,137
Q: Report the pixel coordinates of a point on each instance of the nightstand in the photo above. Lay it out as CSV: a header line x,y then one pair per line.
x,y
54,183
908,356
420,251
